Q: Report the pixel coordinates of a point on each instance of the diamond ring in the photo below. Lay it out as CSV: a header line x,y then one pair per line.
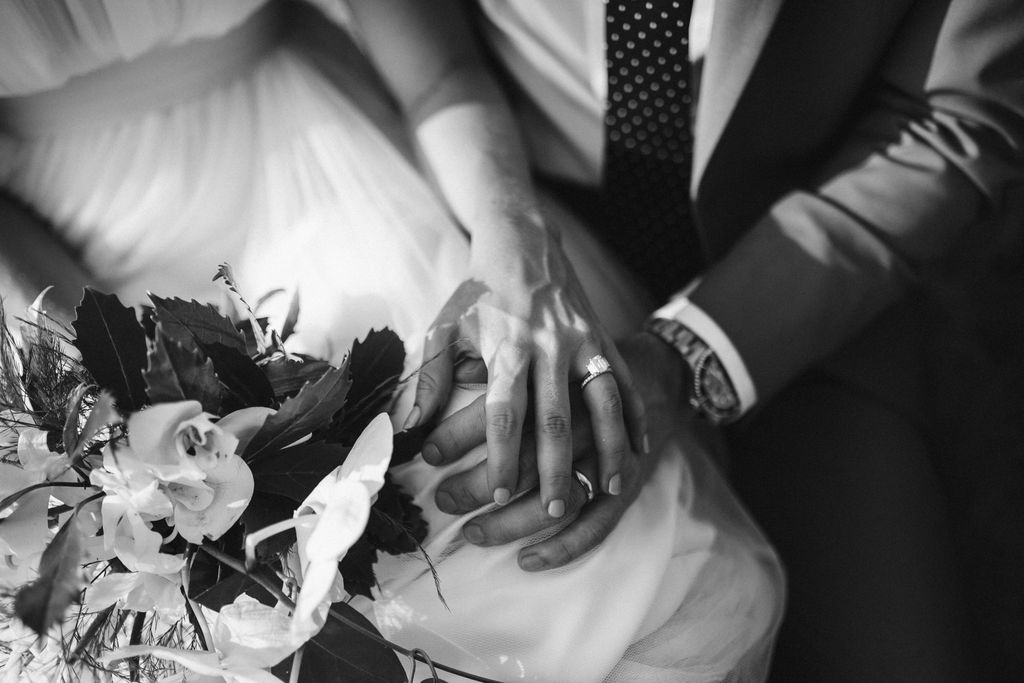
x,y
596,366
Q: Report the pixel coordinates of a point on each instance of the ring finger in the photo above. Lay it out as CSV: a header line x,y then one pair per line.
x,y
604,403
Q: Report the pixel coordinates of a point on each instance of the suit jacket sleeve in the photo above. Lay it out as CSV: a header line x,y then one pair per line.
x,y
938,149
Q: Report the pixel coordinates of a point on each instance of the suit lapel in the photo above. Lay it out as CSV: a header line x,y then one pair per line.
x,y
738,33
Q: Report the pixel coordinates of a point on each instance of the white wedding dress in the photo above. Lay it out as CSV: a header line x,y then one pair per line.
x,y
163,137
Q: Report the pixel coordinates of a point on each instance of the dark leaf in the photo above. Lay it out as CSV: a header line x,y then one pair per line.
x,y
288,375
340,653
187,321
42,603
177,370
357,568
408,443
148,320
376,364
266,509
314,406
113,347
396,524
205,571
257,328
162,385
294,472
231,585
243,383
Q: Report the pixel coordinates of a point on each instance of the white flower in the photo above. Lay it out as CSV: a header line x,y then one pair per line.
x,y
24,531
181,466
330,520
139,591
248,638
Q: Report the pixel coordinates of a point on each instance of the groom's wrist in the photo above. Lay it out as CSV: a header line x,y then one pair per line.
x,y
709,390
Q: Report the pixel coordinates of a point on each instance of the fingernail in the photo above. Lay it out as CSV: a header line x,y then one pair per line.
x,y
615,485
531,563
502,496
445,502
431,454
556,508
473,533
647,445
413,419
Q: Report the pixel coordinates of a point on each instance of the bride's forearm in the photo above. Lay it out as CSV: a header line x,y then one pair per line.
x,y
471,145
31,259
466,136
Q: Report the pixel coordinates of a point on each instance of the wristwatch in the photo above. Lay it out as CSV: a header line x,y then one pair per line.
x,y
711,392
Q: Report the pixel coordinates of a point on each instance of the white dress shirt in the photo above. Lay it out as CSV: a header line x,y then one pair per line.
x,y
554,50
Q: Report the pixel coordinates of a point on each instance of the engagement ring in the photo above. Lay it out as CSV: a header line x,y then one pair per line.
x,y
596,366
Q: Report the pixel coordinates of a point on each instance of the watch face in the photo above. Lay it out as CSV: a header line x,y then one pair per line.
x,y
717,388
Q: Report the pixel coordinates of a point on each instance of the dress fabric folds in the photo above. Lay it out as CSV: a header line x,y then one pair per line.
x,y
275,168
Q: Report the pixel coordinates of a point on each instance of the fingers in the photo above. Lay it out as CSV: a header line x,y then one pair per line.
x,y
595,522
505,408
457,434
604,404
553,434
434,383
526,515
468,490
634,411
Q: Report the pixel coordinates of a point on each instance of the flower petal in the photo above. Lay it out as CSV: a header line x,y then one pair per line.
x,y
320,549
244,424
251,634
232,485
106,590
370,456
153,430
24,532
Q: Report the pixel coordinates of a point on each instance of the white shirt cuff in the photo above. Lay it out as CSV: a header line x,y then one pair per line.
x,y
680,308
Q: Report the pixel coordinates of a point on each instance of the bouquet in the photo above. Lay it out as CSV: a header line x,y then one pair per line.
x,y
179,495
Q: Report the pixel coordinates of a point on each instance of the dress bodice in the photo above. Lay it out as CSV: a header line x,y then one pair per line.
x,y
43,43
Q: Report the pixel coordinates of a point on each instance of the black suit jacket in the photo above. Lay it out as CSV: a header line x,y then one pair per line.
x,y
842,149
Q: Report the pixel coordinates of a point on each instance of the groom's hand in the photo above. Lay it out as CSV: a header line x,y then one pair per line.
x,y
659,372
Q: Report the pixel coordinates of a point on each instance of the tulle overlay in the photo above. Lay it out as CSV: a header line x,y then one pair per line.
x,y
279,172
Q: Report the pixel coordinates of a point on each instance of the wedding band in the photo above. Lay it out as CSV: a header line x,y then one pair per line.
x,y
587,486
596,366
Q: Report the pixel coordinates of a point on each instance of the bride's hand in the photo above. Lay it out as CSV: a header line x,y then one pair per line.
x,y
523,312
659,375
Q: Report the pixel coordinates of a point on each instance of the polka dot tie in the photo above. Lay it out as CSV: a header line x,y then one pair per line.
x,y
648,144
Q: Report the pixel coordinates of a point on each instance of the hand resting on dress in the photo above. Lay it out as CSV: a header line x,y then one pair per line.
x,y
659,379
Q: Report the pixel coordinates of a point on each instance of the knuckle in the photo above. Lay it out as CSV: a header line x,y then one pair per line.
x,y
559,481
427,384
559,552
589,536
502,424
611,405
555,425
577,499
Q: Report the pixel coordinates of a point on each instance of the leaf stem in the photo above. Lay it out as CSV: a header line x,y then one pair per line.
x,y
196,613
274,590
14,497
296,664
